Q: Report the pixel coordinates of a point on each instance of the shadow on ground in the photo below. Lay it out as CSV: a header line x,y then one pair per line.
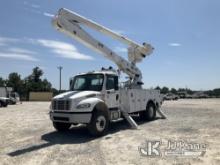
x,y
76,135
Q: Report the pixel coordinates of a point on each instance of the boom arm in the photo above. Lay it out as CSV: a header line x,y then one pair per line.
x,y
69,23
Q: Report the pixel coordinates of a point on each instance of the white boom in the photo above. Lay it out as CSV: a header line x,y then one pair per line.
x,y
70,23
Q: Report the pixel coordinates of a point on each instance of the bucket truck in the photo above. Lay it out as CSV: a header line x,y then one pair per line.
x,y
97,98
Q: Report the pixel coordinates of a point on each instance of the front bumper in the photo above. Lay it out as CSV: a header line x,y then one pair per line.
x,y
70,117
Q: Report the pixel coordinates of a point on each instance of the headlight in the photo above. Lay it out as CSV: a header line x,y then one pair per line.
x,y
85,105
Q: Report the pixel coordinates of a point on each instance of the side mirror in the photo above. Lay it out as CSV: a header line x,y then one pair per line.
x,y
70,85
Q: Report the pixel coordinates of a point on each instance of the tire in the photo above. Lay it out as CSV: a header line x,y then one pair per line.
x,y
1,104
61,126
150,112
99,123
5,104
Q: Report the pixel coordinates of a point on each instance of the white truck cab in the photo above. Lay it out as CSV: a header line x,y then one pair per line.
x,y
95,99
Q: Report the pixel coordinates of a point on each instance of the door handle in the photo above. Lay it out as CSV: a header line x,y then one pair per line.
x,y
108,92
117,97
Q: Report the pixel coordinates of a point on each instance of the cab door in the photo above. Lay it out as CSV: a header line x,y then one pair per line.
x,y
112,92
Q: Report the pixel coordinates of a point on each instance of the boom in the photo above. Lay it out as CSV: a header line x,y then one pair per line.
x,y
70,23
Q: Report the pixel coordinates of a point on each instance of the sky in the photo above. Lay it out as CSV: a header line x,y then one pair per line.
x,y
184,33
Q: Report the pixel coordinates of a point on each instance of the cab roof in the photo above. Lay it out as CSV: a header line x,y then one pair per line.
x,y
102,71
99,72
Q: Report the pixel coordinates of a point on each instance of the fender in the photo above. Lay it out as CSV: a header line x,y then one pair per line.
x,y
92,101
151,102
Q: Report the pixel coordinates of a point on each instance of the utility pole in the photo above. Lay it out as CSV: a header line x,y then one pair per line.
x,y
60,68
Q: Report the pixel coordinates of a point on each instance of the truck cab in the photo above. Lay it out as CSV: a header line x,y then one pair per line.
x,y
90,94
95,99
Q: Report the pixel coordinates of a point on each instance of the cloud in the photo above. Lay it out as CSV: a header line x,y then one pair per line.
x,y
30,7
35,6
48,14
174,44
5,40
15,52
20,50
17,56
64,49
120,49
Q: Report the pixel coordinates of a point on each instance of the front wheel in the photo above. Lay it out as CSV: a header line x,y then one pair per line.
x,y
5,104
99,123
61,126
2,104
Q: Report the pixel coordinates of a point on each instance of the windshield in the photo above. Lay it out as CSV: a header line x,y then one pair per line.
x,y
88,82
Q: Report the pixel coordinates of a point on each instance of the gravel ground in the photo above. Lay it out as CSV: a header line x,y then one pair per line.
x,y
28,137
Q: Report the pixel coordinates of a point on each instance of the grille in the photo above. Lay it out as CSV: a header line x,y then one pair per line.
x,y
61,105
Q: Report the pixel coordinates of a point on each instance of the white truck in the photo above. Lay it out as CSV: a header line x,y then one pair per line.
x,y
8,96
4,100
97,98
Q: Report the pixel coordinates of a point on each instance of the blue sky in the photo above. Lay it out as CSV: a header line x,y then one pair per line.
x,y
184,33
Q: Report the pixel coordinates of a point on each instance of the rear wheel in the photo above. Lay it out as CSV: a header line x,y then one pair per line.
x,y
150,112
61,126
99,123
1,104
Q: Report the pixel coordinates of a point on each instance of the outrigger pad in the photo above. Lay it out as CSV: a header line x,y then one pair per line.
x,y
130,120
163,116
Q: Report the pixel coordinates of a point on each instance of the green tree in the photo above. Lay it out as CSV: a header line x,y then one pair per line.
x,y
2,82
46,85
181,90
173,90
189,91
158,88
36,74
165,90
14,81
35,83
216,92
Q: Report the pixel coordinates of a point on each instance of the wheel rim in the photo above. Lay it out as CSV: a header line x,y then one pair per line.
x,y
100,123
151,111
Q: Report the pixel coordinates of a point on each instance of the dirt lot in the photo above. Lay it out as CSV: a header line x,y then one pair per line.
x,y
27,136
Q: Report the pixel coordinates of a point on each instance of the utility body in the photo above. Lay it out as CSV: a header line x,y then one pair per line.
x,y
97,98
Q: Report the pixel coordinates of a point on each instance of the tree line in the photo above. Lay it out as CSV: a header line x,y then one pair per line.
x,y
33,82
165,90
